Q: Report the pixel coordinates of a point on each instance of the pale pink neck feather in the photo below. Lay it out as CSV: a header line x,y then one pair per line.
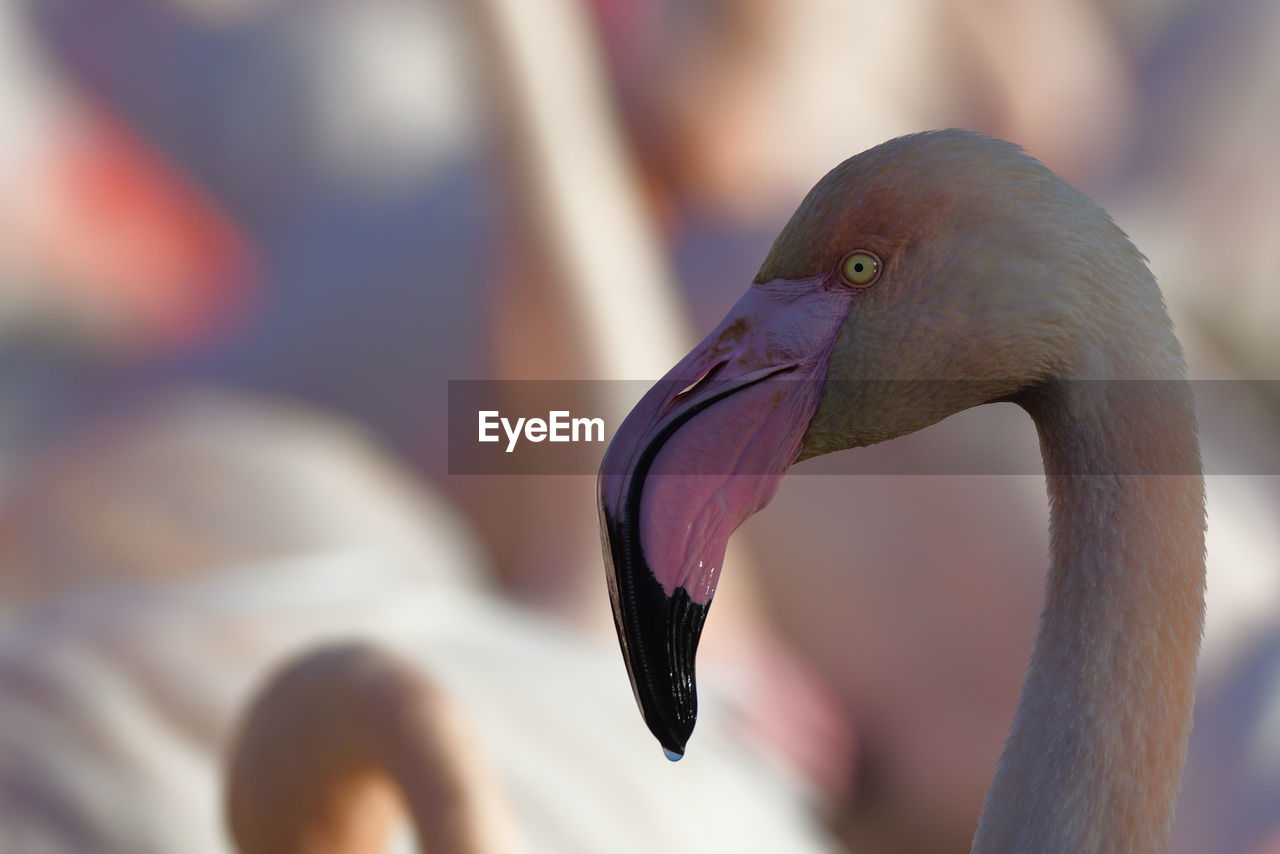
x,y
1094,758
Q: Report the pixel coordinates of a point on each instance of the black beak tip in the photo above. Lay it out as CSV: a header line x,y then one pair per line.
x,y
660,648
659,638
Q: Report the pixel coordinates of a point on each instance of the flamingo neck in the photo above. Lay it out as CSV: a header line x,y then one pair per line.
x,y
1094,759
341,743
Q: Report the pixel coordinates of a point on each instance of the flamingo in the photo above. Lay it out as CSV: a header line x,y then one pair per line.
x,y
378,736
930,274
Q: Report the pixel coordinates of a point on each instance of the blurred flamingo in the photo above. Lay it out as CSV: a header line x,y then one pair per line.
x,y
332,780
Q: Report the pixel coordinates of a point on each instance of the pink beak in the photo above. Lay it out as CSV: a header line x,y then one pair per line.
x,y
703,450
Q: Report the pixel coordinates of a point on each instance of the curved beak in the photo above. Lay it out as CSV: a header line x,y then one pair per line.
x,y
701,452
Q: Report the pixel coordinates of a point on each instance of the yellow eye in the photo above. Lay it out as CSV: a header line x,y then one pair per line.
x,y
860,269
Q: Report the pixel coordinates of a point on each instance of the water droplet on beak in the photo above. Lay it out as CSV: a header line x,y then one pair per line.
x,y
672,755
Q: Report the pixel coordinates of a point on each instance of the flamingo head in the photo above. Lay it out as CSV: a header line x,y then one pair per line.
x,y
930,274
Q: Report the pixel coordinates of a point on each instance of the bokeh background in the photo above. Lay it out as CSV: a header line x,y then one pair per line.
x,y
245,244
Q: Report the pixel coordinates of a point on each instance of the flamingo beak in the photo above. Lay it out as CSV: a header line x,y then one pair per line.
x,y
701,452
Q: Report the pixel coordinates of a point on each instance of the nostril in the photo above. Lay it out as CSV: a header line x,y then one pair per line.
x,y
706,377
681,396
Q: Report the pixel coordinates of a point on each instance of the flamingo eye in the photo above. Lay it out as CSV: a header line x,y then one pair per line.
x,y
860,269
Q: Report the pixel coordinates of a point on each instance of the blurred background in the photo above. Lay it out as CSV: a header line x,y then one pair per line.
x,y
245,244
